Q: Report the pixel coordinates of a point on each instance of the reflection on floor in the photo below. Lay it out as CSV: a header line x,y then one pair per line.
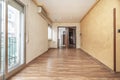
x,y
65,64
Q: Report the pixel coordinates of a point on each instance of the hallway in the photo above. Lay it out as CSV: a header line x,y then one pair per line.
x,y
65,64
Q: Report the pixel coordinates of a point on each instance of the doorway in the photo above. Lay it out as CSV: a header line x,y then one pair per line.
x,y
72,37
66,37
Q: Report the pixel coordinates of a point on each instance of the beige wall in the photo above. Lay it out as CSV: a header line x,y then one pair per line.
x,y
37,34
53,43
97,32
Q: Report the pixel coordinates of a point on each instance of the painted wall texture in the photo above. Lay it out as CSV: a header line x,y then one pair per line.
x,y
37,32
97,32
53,43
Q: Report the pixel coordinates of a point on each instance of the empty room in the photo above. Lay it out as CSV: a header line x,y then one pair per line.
x,y
59,39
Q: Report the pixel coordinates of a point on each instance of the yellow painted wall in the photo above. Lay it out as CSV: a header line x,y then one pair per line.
x,y
97,32
118,36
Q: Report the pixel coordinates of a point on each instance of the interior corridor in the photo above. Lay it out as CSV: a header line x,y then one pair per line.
x,y
31,31
65,64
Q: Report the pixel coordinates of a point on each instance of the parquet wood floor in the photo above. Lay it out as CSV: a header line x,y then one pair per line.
x,y
65,64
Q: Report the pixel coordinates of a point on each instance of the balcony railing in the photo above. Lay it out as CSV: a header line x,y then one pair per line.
x,y
12,57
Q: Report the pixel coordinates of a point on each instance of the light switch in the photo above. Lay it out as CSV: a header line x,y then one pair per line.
x,y
118,30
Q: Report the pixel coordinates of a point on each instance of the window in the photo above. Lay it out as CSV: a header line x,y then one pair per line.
x,y
12,37
49,32
2,38
15,34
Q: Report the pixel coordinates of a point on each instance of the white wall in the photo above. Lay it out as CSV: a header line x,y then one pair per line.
x,y
37,32
53,43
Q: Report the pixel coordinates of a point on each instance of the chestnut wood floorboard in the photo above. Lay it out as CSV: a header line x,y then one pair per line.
x,y
65,64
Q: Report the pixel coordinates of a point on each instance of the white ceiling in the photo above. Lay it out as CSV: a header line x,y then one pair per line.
x,y
67,10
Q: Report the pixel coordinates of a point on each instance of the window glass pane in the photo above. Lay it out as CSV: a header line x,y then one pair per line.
x,y
2,38
49,32
15,35
62,33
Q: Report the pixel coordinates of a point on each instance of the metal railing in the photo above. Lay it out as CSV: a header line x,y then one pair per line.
x,y
12,57
2,52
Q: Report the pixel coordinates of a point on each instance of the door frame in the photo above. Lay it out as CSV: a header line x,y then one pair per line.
x,y
11,73
114,38
67,35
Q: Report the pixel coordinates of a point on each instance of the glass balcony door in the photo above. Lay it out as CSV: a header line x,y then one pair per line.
x,y
15,35
12,37
2,40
